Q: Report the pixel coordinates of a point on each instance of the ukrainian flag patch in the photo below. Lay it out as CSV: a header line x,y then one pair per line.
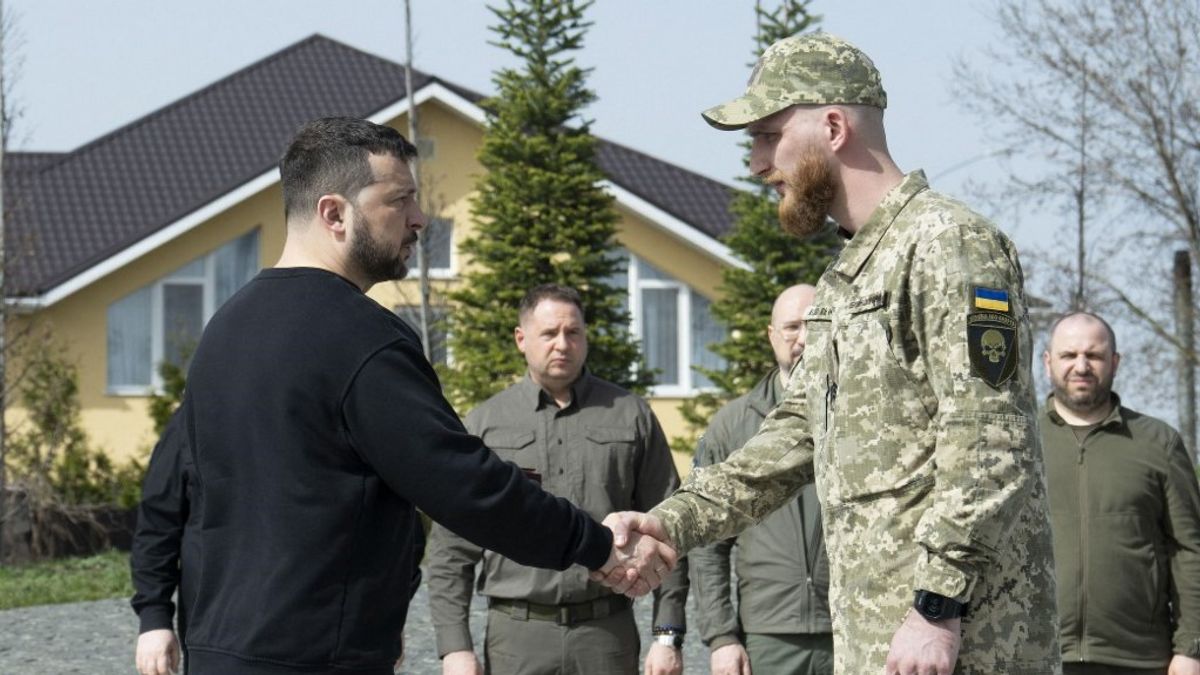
x,y
991,298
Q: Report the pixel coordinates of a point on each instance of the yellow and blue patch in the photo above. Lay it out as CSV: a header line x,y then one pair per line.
x,y
991,298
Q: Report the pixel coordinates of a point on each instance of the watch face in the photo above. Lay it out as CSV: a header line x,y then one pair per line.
x,y
933,605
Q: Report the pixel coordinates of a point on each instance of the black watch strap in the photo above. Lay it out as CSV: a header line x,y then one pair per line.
x,y
937,607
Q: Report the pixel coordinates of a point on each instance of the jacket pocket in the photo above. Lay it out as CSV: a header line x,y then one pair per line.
x,y
877,417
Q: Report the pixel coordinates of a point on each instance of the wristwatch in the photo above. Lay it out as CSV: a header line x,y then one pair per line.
x,y
673,640
668,636
938,607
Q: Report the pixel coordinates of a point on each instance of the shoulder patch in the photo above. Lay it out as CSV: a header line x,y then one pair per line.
x,y
992,346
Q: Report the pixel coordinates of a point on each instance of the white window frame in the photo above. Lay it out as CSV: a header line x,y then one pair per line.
x,y
685,388
443,272
208,282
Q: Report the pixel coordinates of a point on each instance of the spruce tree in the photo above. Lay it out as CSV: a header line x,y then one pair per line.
x,y
777,260
539,212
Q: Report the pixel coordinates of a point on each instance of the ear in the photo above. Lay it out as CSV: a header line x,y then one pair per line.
x,y
837,128
1046,362
334,213
1116,362
519,338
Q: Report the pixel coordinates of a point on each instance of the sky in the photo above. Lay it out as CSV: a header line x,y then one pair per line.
x,y
89,67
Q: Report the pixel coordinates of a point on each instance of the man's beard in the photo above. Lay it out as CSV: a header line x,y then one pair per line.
x,y
1085,401
811,187
371,259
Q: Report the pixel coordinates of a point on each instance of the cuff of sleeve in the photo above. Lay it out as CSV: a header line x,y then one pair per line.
x,y
155,617
453,639
670,614
597,549
670,520
1187,644
722,641
941,576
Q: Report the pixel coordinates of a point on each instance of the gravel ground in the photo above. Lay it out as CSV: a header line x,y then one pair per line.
x,y
97,638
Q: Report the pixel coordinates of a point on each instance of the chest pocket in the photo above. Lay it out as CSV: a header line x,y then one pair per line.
x,y
610,458
514,445
876,415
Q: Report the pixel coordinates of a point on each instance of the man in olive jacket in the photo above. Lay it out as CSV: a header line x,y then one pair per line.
x,y
1125,511
781,623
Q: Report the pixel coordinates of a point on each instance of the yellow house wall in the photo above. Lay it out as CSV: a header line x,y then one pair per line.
x,y
121,425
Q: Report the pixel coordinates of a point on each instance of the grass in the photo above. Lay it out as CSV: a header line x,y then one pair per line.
x,y
67,580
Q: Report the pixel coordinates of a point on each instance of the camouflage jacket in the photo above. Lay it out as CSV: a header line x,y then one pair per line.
x,y
915,411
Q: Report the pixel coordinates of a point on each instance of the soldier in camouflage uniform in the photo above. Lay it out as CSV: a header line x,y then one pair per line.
x,y
914,408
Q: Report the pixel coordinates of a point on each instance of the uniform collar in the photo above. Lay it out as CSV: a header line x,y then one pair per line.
x,y
1114,416
864,242
766,394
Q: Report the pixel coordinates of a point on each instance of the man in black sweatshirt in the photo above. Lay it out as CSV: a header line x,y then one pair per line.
x,y
312,427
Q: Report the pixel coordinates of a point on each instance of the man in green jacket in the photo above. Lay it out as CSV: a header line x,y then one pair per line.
x,y
781,623
1125,510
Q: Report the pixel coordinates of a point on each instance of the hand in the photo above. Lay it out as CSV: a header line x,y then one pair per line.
x,y
461,663
731,659
663,660
638,563
1183,665
157,652
923,647
622,523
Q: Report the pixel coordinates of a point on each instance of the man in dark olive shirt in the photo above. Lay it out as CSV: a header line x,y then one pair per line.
x,y
314,427
1125,514
598,446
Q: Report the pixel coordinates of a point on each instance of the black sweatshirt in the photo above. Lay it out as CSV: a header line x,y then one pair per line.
x,y
314,426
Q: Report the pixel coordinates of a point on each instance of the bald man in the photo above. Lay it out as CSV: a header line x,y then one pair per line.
x,y
1125,510
781,624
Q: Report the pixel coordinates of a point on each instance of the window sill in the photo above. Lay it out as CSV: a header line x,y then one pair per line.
x,y
130,391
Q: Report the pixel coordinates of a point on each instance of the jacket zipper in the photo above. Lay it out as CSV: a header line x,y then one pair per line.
x,y
1083,548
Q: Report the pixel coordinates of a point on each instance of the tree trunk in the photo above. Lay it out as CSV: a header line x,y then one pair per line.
x,y
423,242
1185,322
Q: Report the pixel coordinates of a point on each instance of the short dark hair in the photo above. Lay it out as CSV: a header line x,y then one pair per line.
x,y
330,156
558,292
1112,336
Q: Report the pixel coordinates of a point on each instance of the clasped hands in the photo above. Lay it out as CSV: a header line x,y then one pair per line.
x,y
642,554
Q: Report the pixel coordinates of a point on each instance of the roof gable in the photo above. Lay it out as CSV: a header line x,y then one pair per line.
x,y
72,211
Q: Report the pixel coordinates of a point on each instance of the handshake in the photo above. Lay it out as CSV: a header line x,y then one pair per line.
x,y
642,554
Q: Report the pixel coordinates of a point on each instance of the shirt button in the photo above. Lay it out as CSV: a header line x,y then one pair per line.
x,y
560,441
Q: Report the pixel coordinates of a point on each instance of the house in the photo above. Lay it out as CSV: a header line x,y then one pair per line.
x,y
126,246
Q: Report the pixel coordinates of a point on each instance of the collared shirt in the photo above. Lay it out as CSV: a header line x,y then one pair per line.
x,y
930,476
1125,510
604,452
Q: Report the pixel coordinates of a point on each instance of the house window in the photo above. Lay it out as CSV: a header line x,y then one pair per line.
x,y
163,321
411,314
438,240
676,328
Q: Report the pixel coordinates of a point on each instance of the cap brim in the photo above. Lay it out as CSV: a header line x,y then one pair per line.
x,y
742,111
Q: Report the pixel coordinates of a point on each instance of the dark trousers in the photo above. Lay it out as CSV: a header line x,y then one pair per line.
x,y
790,654
532,647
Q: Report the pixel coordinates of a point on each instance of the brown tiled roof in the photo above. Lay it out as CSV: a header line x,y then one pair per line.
x,y
70,211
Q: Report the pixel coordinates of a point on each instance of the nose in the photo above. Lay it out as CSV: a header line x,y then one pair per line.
x,y
760,164
418,220
1081,364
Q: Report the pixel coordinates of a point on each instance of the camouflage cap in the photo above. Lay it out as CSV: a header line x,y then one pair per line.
x,y
813,68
